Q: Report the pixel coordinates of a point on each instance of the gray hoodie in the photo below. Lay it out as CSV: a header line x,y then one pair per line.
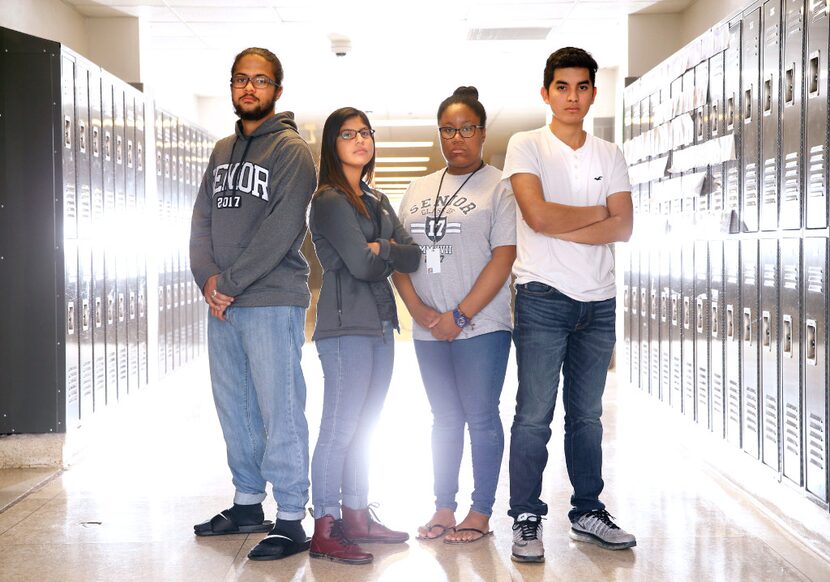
x,y
249,218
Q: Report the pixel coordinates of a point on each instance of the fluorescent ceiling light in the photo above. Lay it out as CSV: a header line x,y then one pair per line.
x,y
403,144
403,122
402,160
401,169
395,178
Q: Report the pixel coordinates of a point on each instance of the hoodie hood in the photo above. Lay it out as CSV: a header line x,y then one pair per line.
x,y
275,124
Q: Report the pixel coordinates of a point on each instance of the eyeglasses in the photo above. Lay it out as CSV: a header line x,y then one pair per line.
x,y
259,82
348,134
466,132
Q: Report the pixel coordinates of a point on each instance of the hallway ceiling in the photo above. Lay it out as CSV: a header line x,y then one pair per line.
x,y
405,57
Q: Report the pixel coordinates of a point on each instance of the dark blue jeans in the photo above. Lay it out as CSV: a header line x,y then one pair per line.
x,y
555,333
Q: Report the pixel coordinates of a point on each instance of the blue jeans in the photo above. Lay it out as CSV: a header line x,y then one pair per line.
x,y
357,371
463,381
554,332
260,393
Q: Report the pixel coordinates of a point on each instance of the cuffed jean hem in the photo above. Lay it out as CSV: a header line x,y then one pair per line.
x,y
248,498
290,515
355,502
333,511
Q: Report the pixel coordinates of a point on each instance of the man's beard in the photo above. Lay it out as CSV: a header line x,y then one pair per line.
x,y
261,111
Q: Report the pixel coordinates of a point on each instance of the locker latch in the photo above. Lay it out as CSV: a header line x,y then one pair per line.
x,y
730,322
747,325
787,348
766,330
811,342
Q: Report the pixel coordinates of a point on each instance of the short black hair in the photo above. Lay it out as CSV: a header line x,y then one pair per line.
x,y
570,57
276,65
467,96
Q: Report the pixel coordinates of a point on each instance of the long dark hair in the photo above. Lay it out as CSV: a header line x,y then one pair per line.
x,y
331,167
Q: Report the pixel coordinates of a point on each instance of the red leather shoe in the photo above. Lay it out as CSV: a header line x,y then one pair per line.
x,y
362,526
330,543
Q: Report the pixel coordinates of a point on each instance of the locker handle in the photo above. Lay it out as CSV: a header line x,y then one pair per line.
x,y
730,322
730,112
85,314
747,325
748,105
768,95
789,92
119,149
687,313
714,119
811,342
132,305
714,323
96,137
140,157
699,315
788,336
664,308
653,304
141,304
110,310
99,316
120,307
67,132
82,137
158,163
70,318
107,146
161,298
643,303
766,331
674,309
814,74
129,153
625,298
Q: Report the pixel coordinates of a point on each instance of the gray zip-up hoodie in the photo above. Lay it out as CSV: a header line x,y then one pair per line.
x,y
249,219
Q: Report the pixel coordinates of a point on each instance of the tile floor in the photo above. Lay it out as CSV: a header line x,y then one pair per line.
x,y
126,510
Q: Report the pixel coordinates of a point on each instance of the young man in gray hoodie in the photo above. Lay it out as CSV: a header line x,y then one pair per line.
x,y
247,228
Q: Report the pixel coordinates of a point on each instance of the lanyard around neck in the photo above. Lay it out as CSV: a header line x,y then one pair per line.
x,y
435,214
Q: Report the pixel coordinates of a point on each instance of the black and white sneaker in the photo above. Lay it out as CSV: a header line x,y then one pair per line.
x,y
527,539
597,527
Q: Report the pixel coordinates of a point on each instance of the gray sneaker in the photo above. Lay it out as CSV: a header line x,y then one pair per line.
x,y
596,527
527,539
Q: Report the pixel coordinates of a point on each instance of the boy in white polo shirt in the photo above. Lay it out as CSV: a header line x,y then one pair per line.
x,y
575,201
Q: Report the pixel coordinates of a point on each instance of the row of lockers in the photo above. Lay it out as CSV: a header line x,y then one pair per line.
x,y
733,333
85,233
725,308
768,90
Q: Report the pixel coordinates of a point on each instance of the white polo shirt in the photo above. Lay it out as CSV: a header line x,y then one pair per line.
x,y
583,177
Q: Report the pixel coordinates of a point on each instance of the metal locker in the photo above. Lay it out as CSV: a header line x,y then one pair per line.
x,y
71,334
688,328
129,254
169,196
734,337
161,215
625,259
816,100
70,197
715,130
814,354
141,281
732,122
110,221
654,321
85,324
769,380
792,85
645,286
665,323
186,279
131,260
676,333
751,118
702,135
717,334
770,114
82,149
176,217
120,264
791,365
634,251
751,325
97,240
701,332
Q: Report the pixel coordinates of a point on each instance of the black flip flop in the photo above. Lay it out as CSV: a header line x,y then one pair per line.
x,y
276,547
445,529
223,524
461,542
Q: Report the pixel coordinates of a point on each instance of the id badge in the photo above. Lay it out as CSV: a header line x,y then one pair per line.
x,y
433,260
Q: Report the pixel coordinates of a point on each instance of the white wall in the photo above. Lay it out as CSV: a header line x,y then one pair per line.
x,y
651,39
50,19
113,44
701,15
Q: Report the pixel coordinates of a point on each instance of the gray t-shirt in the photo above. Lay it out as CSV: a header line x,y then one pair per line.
x,y
481,217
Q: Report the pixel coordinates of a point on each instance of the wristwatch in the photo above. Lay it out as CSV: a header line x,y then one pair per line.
x,y
461,320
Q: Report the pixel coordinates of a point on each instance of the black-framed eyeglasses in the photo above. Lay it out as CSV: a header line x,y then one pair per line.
x,y
348,134
259,82
466,132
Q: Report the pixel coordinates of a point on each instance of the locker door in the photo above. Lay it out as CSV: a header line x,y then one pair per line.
x,y
645,302
816,113
161,195
654,321
676,337
99,340
70,197
791,365
715,130
734,333
178,319
770,114
130,257
751,105
688,318
186,212
792,82
750,354
635,314
665,323
141,274
170,195
702,135
717,333
110,221
72,331
702,332
732,122
625,260
769,380
814,354
122,292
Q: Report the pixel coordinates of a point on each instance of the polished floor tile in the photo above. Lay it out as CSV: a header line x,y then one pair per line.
x,y
157,466
16,482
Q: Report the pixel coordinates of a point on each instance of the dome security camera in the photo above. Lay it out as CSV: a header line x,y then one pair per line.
x,y
340,45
